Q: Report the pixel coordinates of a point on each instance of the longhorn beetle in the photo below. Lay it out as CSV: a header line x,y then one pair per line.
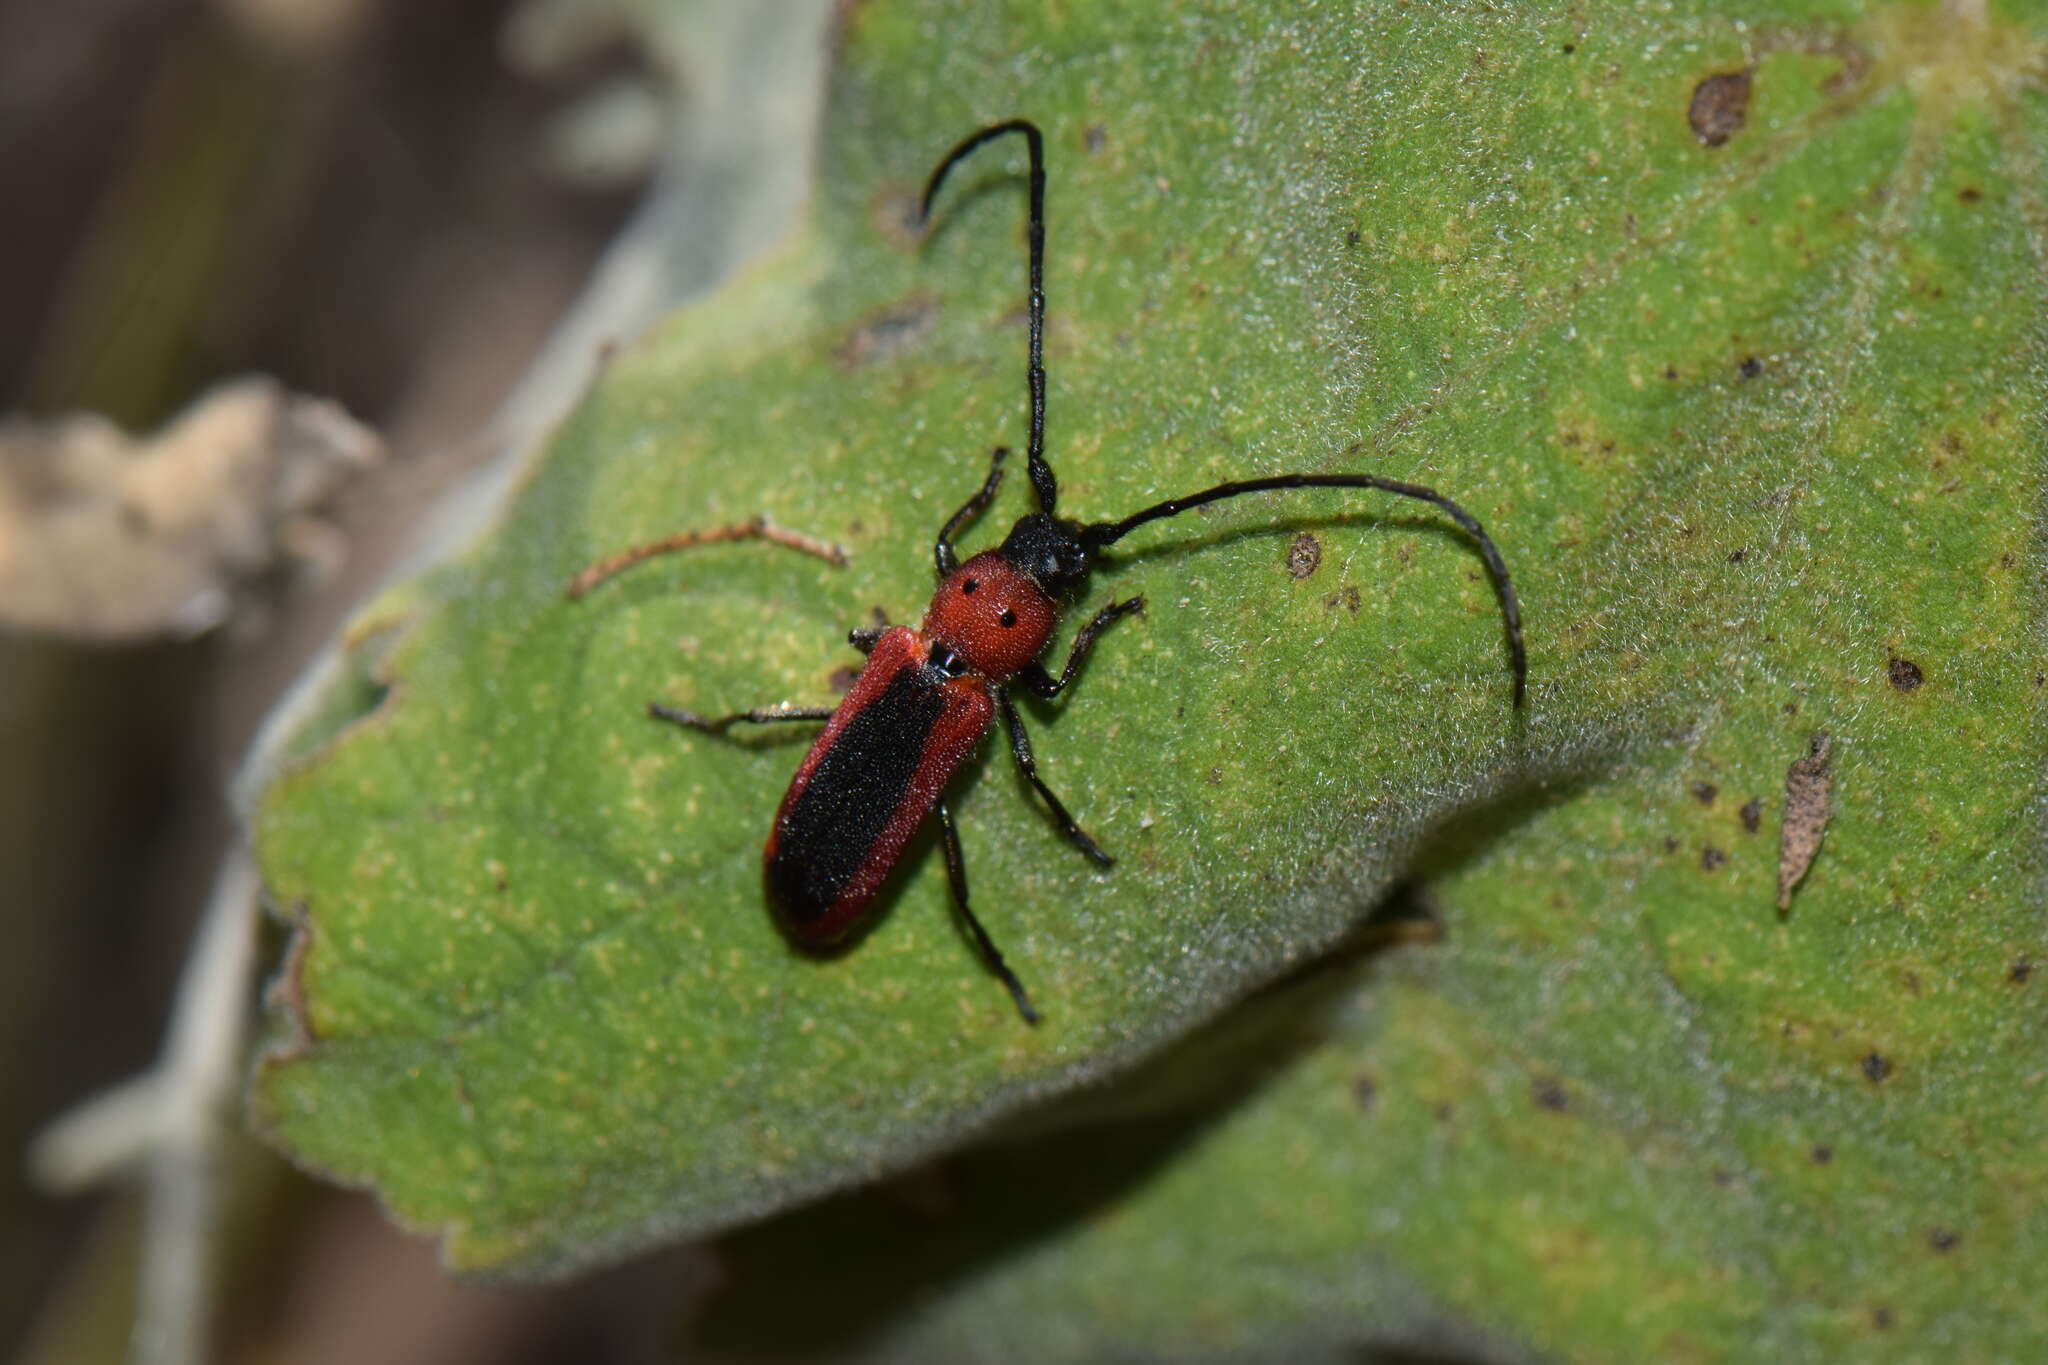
x,y
927,696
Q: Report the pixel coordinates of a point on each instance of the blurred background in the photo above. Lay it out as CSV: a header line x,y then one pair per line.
x,y
384,207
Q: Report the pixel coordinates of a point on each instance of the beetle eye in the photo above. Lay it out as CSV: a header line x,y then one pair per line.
x,y
1008,618
970,585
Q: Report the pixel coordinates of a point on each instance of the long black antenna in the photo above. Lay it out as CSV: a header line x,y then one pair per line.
x,y
1034,375
1109,532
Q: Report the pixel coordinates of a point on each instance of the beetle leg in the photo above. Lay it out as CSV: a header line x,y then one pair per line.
x,y
1044,684
717,725
942,550
1020,749
956,877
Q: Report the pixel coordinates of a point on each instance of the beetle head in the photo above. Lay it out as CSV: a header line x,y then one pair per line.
x,y
1049,551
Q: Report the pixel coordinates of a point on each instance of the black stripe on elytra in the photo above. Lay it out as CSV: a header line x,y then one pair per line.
x,y
852,794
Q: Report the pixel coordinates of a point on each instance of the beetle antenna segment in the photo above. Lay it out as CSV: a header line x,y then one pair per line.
x,y
1102,533
1034,375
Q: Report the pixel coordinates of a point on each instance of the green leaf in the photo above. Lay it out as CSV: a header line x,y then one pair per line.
x,y
1750,422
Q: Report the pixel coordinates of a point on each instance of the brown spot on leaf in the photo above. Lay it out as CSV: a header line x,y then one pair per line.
x,y
1719,105
1881,1318
1943,1239
2019,972
1752,814
1304,556
1364,1092
1876,1067
1346,598
1750,367
1711,858
286,992
1969,194
1904,673
1738,554
1855,60
1551,1095
894,214
888,333
1821,1156
841,678
1809,799
1705,792
1095,137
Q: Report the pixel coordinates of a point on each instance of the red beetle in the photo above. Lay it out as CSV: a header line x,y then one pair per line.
x,y
927,696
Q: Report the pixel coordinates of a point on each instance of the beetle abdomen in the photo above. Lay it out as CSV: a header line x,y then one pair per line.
x,y
870,780
856,787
